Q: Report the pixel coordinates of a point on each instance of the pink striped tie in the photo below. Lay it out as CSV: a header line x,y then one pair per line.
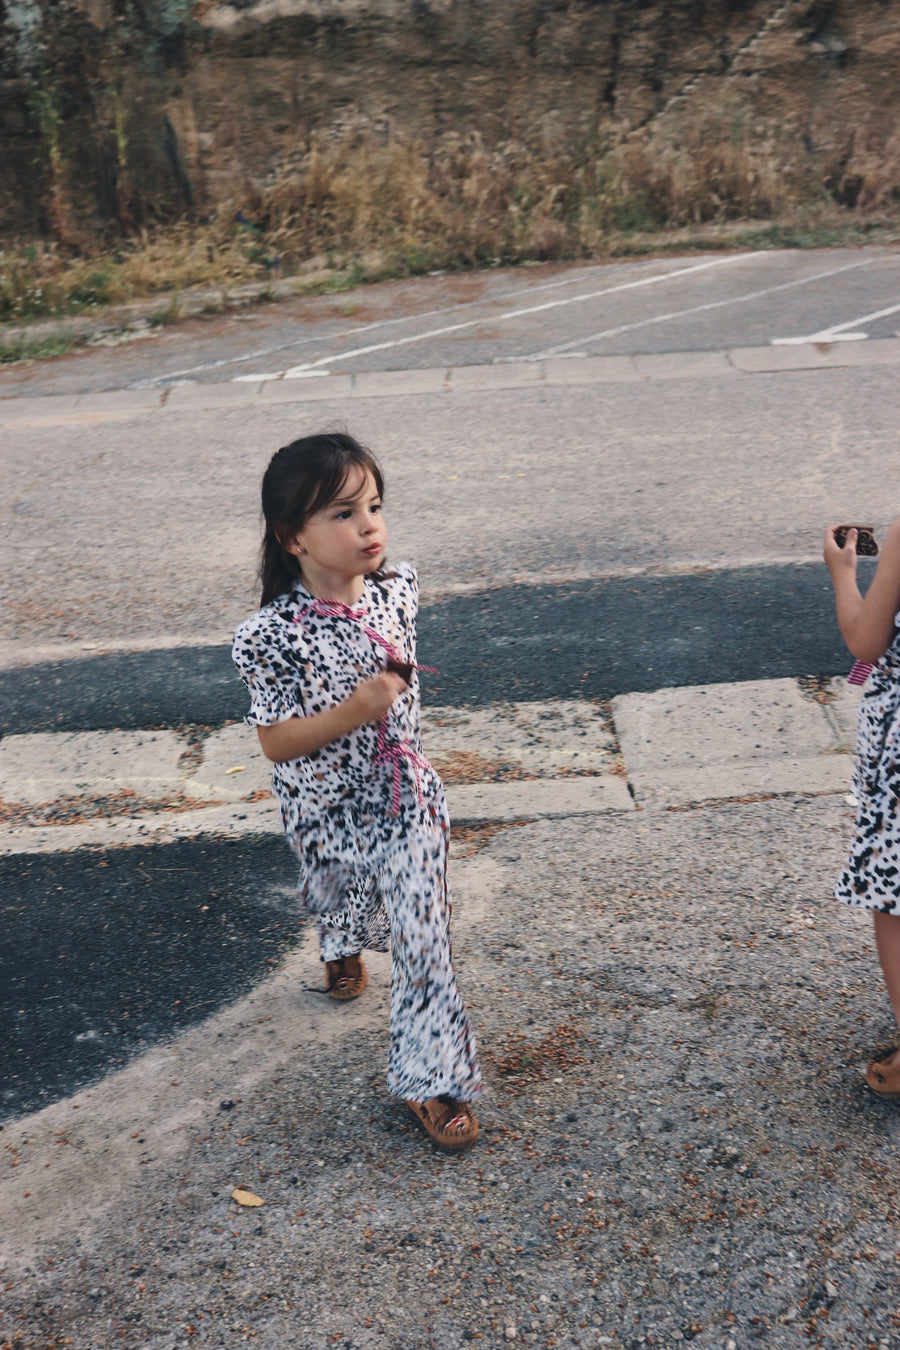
x,y
859,673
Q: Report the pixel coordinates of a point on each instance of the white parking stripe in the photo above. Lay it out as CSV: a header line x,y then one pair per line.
x,y
838,332
524,312
580,342
359,328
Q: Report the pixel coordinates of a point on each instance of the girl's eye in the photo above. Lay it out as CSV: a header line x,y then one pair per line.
x,y
375,508
343,515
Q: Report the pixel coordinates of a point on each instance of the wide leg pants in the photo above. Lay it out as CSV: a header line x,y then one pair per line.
x,y
395,892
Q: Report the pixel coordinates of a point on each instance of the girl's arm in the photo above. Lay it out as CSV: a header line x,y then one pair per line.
x,y
300,736
866,624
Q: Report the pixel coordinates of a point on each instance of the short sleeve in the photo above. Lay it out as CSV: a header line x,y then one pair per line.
x,y
264,652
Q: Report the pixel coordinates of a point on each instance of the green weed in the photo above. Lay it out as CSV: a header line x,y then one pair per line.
x,y
36,348
169,314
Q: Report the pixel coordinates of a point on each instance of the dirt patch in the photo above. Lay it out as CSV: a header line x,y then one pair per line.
x,y
467,840
524,1062
71,810
466,766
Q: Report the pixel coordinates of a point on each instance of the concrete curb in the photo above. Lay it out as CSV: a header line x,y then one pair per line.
x,y
670,749
316,387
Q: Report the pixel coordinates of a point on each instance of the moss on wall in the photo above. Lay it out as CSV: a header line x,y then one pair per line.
x,y
119,113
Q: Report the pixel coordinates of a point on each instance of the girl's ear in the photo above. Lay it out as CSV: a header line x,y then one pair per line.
x,y
292,544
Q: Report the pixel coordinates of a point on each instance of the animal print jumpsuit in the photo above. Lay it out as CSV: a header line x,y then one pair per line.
x,y
871,876
366,816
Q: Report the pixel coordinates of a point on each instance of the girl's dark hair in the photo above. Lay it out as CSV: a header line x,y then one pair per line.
x,y
302,478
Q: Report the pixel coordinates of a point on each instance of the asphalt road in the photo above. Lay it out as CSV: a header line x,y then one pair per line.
x,y
136,528
689,303
105,953
573,640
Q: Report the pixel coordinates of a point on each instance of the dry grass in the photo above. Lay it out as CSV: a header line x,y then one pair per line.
x,y
43,279
361,209
399,209
711,165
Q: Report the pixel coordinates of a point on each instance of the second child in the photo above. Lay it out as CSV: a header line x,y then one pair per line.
x,y
871,877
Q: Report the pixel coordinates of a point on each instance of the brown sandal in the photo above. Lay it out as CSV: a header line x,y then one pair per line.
x,y
346,978
441,1119
883,1075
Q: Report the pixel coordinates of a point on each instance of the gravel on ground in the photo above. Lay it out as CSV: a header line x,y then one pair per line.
x,y
677,1143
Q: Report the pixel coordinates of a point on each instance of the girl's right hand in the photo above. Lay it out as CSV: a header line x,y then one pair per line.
x,y
372,698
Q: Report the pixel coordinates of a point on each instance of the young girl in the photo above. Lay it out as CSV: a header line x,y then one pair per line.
x,y
329,661
871,878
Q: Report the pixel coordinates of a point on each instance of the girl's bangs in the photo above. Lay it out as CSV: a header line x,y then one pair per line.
x,y
330,486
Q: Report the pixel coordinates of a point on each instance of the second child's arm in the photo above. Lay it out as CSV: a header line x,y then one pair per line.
x,y
300,736
866,623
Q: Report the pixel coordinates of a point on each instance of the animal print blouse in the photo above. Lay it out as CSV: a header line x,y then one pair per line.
x,y
295,663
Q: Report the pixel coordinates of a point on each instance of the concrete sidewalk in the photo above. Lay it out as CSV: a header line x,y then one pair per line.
x,y
677,1145
506,762
254,392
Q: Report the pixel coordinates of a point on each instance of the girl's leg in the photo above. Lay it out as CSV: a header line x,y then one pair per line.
x,y
883,1075
887,941
362,921
432,1048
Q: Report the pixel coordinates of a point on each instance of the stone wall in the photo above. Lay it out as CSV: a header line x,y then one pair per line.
x,y
114,113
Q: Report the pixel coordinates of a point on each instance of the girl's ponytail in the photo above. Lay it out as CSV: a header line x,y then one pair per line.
x,y
278,569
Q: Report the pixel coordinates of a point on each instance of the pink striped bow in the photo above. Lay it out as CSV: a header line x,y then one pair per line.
x,y
859,673
394,752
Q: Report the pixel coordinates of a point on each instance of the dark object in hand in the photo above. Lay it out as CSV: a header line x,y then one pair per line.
x,y
402,668
865,539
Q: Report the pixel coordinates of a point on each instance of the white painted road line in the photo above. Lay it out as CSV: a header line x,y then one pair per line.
x,y
376,324
838,332
527,310
563,347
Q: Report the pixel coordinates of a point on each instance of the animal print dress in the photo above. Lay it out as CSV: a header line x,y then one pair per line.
x,y
366,816
871,877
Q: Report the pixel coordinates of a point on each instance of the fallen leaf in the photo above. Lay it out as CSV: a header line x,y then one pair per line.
x,y
238,768
246,1198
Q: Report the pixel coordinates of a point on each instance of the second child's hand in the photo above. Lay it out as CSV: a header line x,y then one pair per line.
x,y
866,624
841,562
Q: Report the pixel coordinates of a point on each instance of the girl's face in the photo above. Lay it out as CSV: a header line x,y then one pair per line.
x,y
345,540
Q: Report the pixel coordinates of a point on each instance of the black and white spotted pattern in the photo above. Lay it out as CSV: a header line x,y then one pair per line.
x,y
373,878
871,877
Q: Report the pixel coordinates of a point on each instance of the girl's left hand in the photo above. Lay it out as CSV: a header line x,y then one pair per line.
x,y
840,560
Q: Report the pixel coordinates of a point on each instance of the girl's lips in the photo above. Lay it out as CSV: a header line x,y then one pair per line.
x,y
373,549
